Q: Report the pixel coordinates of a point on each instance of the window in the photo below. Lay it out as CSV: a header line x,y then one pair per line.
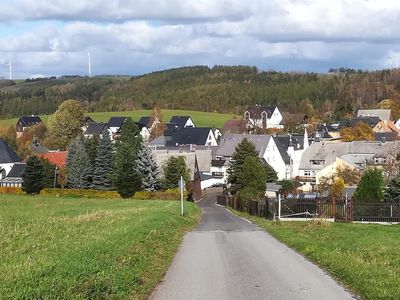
x,y
307,173
317,162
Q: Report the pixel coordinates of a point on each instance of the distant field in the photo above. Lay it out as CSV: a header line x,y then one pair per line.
x,y
201,119
365,257
59,248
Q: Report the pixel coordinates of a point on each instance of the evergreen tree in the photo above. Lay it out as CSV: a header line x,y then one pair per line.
x,y
272,176
148,169
78,165
243,150
370,188
174,168
253,175
103,167
33,176
91,152
49,172
127,179
392,193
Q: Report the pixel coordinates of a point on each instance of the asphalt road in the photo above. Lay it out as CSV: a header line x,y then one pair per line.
x,y
228,257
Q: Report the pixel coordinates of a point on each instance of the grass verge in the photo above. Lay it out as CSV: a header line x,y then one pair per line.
x,y
60,248
364,257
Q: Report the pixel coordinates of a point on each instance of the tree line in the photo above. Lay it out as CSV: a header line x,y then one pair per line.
x,y
220,88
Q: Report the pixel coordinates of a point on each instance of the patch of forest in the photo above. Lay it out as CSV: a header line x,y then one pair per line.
x,y
225,89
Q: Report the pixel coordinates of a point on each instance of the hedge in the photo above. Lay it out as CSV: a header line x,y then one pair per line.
x,y
170,194
79,193
11,190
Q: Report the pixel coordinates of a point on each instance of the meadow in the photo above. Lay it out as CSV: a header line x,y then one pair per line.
x,y
201,119
364,257
60,248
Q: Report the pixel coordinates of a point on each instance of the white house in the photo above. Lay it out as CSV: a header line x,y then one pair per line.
x,y
115,124
322,159
264,117
8,158
182,121
203,136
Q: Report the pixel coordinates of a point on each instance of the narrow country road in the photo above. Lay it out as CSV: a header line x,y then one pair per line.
x,y
227,257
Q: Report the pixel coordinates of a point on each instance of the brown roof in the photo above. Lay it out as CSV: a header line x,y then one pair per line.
x,y
234,126
297,118
256,111
58,158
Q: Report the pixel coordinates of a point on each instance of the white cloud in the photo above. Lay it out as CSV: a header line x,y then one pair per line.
x,y
156,34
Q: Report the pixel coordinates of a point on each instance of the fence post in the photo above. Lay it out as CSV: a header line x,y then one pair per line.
x,y
279,206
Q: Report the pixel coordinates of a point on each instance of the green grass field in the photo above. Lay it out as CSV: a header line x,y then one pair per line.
x,y
201,119
59,248
364,257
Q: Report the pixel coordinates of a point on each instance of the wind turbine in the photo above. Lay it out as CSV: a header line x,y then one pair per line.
x,y
10,69
89,67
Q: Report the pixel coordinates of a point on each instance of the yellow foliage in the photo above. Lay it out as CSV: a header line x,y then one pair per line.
x,y
360,132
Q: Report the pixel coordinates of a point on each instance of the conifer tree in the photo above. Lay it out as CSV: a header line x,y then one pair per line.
x,y
149,170
174,168
33,176
78,165
243,150
103,168
392,193
371,186
127,179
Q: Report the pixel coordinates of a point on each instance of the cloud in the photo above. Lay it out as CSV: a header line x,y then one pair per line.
x,y
138,36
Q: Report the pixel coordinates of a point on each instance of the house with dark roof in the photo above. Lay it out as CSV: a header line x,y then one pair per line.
x,y
264,117
14,177
144,131
115,124
94,129
85,123
193,136
377,125
26,122
8,158
149,122
182,121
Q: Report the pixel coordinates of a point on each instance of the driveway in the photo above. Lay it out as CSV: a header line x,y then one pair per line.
x,y
228,257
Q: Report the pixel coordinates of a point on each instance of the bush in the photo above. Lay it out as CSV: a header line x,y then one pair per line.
x,y
247,194
79,193
11,190
170,194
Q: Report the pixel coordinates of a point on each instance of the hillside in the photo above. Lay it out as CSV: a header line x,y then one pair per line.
x,y
201,119
200,88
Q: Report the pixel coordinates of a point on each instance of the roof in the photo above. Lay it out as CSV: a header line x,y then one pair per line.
x,y
170,129
385,136
371,121
36,147
296,118
234,126
95,128
282,143
273,187
229,142
256,111
17,170
190,136
383,114
58,158
7,155
348,151
116,121
180,121
146,121
27,121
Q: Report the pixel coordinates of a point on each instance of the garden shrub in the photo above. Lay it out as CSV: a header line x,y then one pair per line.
x,y
83,193
11,190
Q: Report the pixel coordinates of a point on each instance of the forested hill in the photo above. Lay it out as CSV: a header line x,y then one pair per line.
x,y
221,88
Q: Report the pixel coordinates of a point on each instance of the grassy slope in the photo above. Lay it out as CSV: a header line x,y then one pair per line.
x,y
201,119
87,248
364,257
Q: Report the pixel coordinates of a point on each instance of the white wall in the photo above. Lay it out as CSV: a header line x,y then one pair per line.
x,y
274,159
210,182
7,168
211,141
189,123
145,133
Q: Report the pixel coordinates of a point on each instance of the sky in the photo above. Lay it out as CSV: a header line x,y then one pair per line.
x,y
54,37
